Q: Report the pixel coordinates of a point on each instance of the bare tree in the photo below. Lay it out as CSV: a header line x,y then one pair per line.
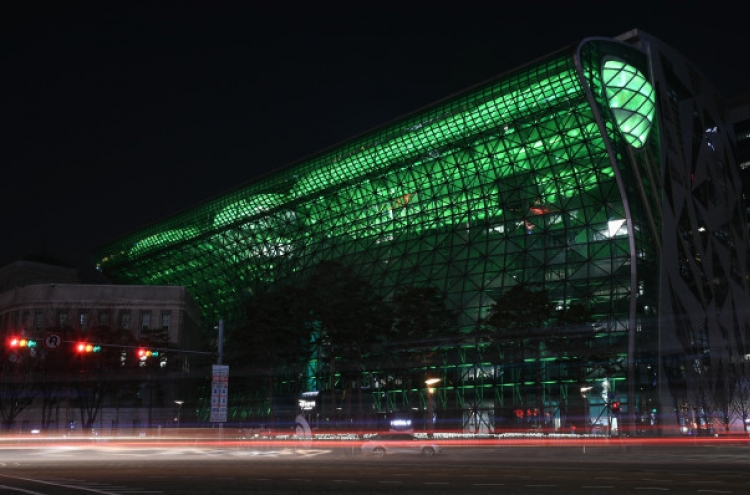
x,y
740,402
105,358
17,368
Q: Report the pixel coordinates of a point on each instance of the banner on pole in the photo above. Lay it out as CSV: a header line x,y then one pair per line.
x,y
219,393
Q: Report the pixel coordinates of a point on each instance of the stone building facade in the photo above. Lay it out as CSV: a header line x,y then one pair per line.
x,y
43,325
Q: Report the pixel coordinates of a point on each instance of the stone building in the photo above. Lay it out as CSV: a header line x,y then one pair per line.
x,y
59,335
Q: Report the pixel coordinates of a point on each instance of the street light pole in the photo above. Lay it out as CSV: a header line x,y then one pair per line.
x,y
179,409
584,394
430,413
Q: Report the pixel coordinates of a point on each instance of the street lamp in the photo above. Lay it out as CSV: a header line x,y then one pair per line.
x,y
179,408
430,419
584,394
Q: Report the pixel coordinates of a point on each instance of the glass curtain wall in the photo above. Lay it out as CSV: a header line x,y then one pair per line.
x,y
514,181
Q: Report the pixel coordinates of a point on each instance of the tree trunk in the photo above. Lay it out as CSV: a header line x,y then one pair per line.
x,y
271,412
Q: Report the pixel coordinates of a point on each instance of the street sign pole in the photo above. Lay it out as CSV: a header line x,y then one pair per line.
x,y
219,386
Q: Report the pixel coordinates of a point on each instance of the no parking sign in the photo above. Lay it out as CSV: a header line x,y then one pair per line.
x,y
52,341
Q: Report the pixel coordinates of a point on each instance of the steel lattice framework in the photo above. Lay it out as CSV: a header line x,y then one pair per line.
x,y
557,174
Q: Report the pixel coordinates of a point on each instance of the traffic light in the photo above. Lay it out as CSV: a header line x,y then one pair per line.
x,y
144,354
18,342
616,407
87,348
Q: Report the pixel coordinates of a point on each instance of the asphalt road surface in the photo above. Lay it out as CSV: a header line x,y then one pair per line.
x,y
185,469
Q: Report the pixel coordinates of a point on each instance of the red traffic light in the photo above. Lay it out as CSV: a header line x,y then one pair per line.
x,y
147,353
85,347
15,342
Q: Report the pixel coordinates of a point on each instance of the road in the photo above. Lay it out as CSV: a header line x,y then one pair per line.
x,y
205,469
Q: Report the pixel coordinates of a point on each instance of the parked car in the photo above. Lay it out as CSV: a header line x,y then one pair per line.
x,y
399,443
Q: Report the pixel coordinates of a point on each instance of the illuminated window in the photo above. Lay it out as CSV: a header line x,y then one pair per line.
x,y
631,99
401,201
83,319
615,227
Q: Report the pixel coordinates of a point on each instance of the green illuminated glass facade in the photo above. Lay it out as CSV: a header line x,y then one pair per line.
x,y
554,175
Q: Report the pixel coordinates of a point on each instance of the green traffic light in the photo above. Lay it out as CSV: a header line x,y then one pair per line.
x,y
31,343
97,348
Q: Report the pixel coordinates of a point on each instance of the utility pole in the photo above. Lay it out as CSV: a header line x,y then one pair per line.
x,y
219,386
221,342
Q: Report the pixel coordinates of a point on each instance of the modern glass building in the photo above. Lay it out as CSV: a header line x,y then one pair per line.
x,y
602,173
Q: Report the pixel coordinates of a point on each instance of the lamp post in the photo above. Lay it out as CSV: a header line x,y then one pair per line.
x,y
430,413
179,409
584,394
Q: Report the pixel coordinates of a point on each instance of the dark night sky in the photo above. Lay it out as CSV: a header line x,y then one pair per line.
x,y
118,114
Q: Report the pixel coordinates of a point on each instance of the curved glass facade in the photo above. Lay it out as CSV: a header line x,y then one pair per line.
x,y
508,183
548,175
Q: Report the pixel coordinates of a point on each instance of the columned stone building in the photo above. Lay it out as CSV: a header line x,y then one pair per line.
x,y
74,350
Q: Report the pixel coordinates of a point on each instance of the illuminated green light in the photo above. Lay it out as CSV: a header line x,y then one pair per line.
x,y
246,209
452,186
631,99
162,238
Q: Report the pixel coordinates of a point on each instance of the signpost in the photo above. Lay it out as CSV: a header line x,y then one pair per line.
x,y
219,386
219,391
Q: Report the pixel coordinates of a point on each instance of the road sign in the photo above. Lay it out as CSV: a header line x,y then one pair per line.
x,y
219,393
52,341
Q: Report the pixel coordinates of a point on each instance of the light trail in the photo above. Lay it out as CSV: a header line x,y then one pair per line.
x,y
229,439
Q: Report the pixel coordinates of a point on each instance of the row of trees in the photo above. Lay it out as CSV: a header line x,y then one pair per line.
x,y
718,390
335,318
51,376
338,319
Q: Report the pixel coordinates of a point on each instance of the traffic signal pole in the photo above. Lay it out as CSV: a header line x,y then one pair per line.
x,y
219,361
221,341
